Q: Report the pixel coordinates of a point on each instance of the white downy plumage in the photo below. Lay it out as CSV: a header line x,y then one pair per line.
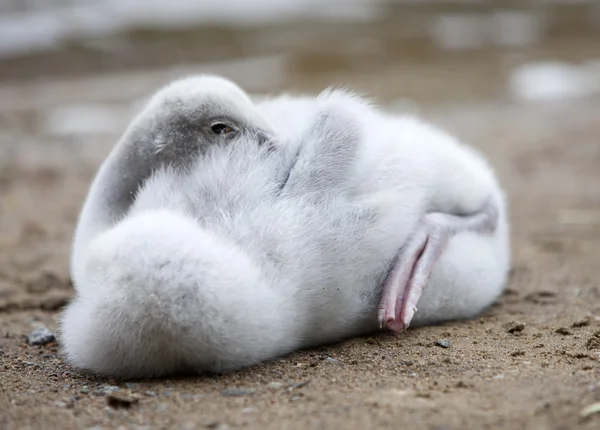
x,y
219,233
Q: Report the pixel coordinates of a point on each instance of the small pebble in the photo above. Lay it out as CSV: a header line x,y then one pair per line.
x,y
237,392
563,330
514,327
275,385
118,400
582,323
444,343
110,389
150,393
298,385
40,336
331,360
217,425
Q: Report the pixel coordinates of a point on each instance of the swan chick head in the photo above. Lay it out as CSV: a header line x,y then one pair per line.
x,y
189,115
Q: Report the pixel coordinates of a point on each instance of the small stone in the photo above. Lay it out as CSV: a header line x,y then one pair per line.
x,y
217,425
541,297
238,392
150,393
296,385
499,376
40,336
582,323
110,389
275,385
581,355
60,404
119,400
514,327
84,390
249,410
594,341
444,343
331,360
55,301
563,330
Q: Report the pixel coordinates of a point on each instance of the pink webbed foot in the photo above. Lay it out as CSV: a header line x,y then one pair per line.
x,y
413,266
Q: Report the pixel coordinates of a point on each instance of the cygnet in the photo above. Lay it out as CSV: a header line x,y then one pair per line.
x,y
220,233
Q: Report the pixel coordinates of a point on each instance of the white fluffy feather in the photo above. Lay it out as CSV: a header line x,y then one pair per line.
x,y
214,267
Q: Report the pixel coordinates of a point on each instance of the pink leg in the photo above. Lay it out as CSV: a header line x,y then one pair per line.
x,y
412,268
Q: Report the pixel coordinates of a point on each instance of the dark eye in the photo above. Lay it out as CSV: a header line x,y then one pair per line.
x,y
220,128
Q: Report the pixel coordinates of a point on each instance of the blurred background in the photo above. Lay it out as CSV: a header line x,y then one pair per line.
x,y
429,50
73,72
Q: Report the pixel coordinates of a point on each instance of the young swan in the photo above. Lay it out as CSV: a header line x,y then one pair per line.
x,y
200,248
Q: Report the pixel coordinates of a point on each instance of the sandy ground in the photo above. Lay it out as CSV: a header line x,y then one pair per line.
x,y
532,361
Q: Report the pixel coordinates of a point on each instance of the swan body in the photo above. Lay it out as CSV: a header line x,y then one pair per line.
x,y
205,247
